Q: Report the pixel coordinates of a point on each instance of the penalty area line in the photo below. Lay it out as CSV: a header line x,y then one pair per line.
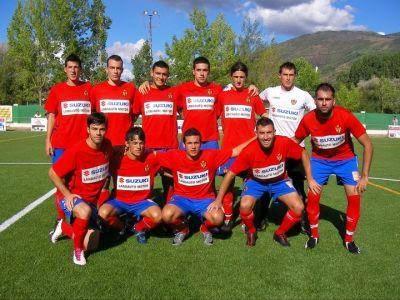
x,y
24,163
384,188
7,223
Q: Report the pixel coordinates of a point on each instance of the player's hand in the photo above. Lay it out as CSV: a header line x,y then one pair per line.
x,y
361,186
144,88
314,186
70,201
49,148
253,90
215,205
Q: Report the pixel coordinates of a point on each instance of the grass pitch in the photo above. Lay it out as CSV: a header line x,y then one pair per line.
x,y
32,267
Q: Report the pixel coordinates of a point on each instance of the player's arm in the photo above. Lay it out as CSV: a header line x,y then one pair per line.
x,y
217,203
365,141
59,184
50,127
236,151
312,184
144,88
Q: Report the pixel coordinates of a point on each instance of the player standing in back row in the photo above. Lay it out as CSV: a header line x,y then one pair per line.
x,y
287,105
330,128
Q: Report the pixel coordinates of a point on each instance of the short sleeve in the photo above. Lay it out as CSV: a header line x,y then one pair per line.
x,y
51,105
301,132
356,128
294,151
259,106
309,102
66,164
241,163
222,156
264,95
137,104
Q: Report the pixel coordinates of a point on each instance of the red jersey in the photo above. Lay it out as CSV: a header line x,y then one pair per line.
x,y
71,105
198,104
116,102
238,112
267,165
134,179
194,179
88,167
330,139
158,109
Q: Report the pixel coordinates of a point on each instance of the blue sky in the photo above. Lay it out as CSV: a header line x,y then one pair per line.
x,y
282,19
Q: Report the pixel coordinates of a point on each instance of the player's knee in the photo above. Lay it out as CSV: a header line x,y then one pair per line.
x,y
167,214
298,207
156,216
104,212
83,211
217,218
246,204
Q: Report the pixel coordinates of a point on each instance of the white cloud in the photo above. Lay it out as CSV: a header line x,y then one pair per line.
x,y
381,33
317,15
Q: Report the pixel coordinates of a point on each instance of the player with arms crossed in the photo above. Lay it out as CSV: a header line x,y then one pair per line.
x,y
194,173
330,127
159,116
87,161
114,98
133,175
265,160
287,105
238,111
67,107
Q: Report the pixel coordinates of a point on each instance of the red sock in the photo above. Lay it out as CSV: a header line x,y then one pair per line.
x,y
248,220
179,225
313,212
57,198
80,227
290,219
206,226
352,216
145,224
115,223
227,205
67,229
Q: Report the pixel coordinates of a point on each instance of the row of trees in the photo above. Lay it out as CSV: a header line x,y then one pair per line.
x,y
40,35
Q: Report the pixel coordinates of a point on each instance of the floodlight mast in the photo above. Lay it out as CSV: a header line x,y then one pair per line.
x,y
150,15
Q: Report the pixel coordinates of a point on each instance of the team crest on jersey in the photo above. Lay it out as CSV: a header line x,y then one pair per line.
x,y
293,101
338,129
124,93
146,168
85,93
248,99
279,157
209,92
169,95
203,164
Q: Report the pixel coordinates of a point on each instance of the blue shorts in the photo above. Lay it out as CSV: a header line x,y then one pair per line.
x,y
57,152
222,169
213,145
197,207
70,217
135,209
345,170
257,189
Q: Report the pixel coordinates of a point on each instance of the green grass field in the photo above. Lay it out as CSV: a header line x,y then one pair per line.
x,y
32,267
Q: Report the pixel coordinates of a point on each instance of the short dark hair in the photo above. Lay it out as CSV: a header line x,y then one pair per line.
x,y
116,58
96,118
201,60
288,65
326,87
264,121
74,58
138,131
190,132
239,66
160,64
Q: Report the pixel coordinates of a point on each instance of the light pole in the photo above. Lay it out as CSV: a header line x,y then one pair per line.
x,y
150,15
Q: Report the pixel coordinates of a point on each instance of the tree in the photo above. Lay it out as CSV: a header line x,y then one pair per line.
x,y
215,41
307,77
142,63
348,97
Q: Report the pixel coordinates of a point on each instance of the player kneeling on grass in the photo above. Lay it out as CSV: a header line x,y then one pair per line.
x,y
330,127
265,160
133,176
87,162
194,172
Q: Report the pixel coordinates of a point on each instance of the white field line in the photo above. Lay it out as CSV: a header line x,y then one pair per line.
x,y
19,215
24,163
385,179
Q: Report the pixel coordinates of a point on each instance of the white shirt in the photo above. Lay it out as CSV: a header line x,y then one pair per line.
x,y
287,108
